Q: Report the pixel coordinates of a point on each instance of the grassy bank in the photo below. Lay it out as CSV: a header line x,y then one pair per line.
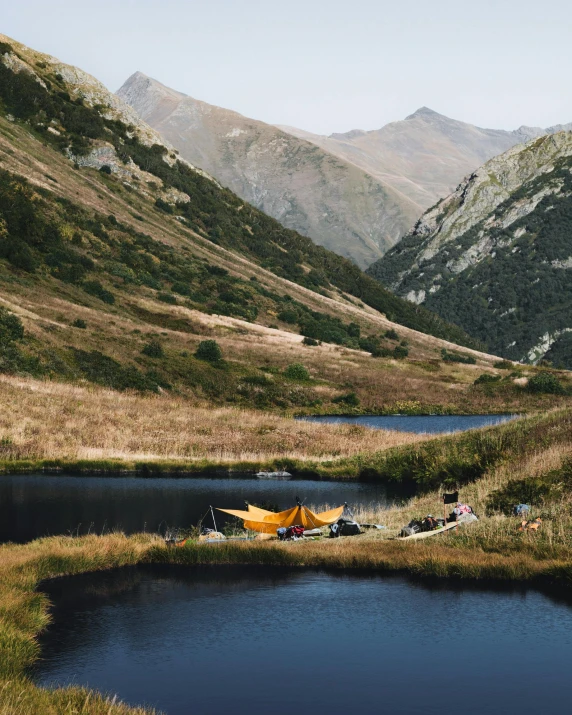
x,y
484,463
491,549
56,427
56,424
24,611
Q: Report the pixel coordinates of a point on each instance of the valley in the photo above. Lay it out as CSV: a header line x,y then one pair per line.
x,y
168,312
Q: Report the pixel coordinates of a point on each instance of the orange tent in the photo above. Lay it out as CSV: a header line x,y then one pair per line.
x,y
268,522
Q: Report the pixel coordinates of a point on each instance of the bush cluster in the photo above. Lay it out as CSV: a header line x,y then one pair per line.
x,y
452,356
209,350
545,383
297,371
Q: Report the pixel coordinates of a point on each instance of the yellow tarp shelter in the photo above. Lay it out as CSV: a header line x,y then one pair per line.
x,y
268,522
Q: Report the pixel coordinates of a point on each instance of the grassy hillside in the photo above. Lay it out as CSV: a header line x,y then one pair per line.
x,y
119,260
40,97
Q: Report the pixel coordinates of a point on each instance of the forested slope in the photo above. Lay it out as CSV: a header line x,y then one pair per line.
x,y
496,256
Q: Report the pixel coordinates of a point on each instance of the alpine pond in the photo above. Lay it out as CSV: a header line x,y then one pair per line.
x,y
228,639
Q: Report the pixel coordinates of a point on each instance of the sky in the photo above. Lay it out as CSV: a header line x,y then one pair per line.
x,y
324,66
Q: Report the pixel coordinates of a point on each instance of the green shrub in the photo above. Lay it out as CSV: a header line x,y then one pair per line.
x,y
288,316
164,206
79,323
209,350
487,378
350,399
261,380
382,352
370,344
447,356
297,371
153,349
217,271
503,365
531,491
400,352
391,334
103,370
11,327
12,359
167,298
96,289
354,330
181,288
105,169
545,383
310,341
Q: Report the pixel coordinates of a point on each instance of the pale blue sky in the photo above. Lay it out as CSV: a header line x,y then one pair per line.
x,y
321,65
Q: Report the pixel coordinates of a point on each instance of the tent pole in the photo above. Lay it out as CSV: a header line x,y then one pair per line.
x,y
214,522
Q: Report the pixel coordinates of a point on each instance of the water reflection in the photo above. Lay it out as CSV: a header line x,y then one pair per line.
x,y
216,640
41,505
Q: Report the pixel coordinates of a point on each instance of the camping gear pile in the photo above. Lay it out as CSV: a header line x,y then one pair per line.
x,y
211,535
461,514
417,526
345,527
298,522
290,533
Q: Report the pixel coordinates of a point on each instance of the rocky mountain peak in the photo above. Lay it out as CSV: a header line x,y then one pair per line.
x,y
426,113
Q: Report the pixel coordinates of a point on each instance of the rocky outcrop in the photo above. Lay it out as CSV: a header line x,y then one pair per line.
x,y
90,90
494,255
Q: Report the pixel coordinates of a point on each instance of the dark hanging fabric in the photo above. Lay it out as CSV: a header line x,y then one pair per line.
x,y
451,498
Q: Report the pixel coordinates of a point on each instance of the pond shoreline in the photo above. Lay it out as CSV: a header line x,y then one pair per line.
x,y
24,611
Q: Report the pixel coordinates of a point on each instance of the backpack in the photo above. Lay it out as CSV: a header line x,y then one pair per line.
x,y
344,527
429,523
294,532
414,527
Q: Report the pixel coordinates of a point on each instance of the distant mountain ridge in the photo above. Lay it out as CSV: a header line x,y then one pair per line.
x,y
425,155
495,256
336,203
356,193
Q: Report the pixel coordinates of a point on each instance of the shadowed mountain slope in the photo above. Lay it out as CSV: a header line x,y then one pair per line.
x,y
495,256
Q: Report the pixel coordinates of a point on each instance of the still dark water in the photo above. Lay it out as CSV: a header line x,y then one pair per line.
x,y
234,640
42,505
421,424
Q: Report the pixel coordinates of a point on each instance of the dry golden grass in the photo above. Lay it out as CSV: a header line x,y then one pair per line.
x,y
49,420
23,613
496,530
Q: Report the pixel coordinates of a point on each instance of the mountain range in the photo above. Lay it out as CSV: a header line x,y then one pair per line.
x,y
118,259
356,193
495,257
334,202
